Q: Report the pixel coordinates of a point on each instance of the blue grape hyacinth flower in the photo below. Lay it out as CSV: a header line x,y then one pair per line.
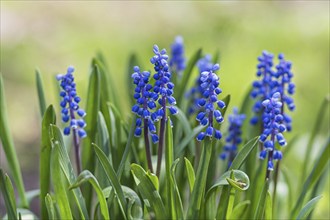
x,y
163,88
209,82
178,60
233,138
265,86
273,129
145,102
285,87
196,92
70,105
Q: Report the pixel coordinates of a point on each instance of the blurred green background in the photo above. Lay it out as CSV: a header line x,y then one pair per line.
x,y
52,35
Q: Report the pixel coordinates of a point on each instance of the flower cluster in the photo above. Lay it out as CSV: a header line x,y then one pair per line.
x,y
273,128
69,104
234,135
145,101
272,81
196,92
285,87
177,61
265,87
163,88
209,82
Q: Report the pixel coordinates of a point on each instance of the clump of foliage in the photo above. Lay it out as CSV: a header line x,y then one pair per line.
x,y
186,166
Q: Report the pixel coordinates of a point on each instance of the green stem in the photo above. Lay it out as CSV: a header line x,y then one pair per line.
x,y
199,186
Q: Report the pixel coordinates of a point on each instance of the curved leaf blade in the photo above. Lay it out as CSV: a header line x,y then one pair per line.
x,y
85,176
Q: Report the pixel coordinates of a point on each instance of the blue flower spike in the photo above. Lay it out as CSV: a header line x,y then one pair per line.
x,y
196,92
265,86
285,87
70,105
145,103
273,128
71,112
233,138
178,60
163,88
209,82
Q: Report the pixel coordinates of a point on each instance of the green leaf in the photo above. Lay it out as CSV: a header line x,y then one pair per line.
x,y
322,113
168,163
85,176
268,207
304,212
184,143
50,207
45,152
262,201
134,209
111,175
241,181
240,209
148,191
9,149
320,165
243,153
59,183
190,173
7,190
199,186
41,95
177,201
92,109
186,75
127,148
183,123
67,176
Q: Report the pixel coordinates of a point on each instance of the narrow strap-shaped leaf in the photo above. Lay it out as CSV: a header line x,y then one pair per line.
x,y
308,208
243,153
149,192
268,207
88,176
168,163
240,209
190,173
45,154
236,179
41,94
127,148
262,201
200,182
9,149
177,201
322,112
59,183
134,209
7,191
320,165
223,203
67,171
186,74
111,175
50,207
185,141
92,109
